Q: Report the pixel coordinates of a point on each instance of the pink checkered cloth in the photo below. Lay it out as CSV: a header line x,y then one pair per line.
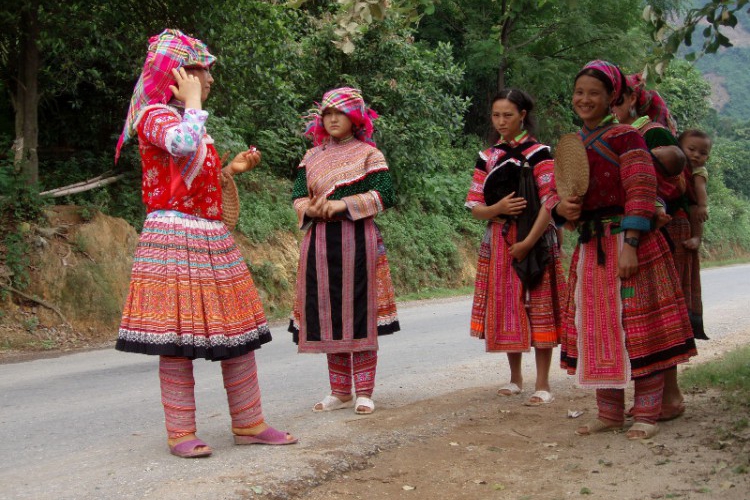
x,y
349,101
610,71
650,103
168,50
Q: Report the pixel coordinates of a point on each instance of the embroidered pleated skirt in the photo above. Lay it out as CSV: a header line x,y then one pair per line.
x,y
617,329
191,293
345,297
503,314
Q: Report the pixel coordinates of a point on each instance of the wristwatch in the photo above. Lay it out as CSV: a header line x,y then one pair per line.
x,y
632,241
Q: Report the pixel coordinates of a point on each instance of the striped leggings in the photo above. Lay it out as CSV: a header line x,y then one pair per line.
x,y
178,393
646,404
359,366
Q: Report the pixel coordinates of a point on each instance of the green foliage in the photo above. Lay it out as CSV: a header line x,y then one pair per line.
x,y
430,84
703,21
729,69
730,156
260,77
17,258
727,232
266,205
686,93
425,253
270,278
731,374
19,201
20,206
534,45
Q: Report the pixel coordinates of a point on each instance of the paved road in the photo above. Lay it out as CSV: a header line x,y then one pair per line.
x,y
89,425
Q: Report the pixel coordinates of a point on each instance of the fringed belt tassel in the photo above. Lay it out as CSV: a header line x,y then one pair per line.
x,y
594,223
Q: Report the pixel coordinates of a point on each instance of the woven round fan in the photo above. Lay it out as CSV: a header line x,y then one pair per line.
x,y
571,166
230,201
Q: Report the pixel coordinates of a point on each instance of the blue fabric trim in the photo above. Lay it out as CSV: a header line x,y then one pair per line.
x,y
636,222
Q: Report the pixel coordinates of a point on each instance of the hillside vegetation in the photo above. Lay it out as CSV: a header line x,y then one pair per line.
x,y
430,82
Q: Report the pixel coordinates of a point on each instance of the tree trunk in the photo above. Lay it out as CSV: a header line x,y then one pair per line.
x,y
504,42
27,95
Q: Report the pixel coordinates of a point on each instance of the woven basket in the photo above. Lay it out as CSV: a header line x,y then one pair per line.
x,y
230,201
571,166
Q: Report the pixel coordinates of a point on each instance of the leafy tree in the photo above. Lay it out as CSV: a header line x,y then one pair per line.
x,y
50,64
537,45
709,19
686,93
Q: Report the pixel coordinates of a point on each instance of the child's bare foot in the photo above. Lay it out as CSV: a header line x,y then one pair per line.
x,y
692,243
662,218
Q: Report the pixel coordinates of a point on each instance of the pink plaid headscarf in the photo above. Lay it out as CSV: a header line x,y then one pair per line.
x,y
350,102
168,50
650,103
610,71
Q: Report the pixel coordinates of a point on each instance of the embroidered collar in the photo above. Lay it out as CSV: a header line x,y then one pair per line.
x,y
640,122
519,139
345,140
606,121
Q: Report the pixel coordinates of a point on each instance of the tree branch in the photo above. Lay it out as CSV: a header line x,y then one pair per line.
x,y
38,301
81,187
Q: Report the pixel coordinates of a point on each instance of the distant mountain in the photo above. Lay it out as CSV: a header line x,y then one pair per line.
x,y
727,71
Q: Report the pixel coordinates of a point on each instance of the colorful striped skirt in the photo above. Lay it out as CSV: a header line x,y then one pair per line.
x,y
191,293
617,329
503,314
345,295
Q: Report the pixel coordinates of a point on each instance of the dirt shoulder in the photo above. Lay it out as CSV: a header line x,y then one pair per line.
x,y
475,445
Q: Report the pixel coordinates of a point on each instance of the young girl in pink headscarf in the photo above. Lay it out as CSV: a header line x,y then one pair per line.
x,y
345,296
191,294
625,315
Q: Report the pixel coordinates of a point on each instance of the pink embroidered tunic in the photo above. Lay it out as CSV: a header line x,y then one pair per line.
x,y
345,296
503,314
615,329
181,168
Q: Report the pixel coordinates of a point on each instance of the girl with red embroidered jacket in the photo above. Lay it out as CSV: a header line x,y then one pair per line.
x,y
345,297
509,313
624,316
191,294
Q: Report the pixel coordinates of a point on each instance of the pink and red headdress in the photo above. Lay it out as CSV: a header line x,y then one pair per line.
x,y
610,71
349,101
166,51
650,103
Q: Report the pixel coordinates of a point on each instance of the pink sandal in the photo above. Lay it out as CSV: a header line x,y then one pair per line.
x,y
188,449
269,436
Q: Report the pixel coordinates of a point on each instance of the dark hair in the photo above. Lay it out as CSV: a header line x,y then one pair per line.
x,y
694,132
595,73
523,102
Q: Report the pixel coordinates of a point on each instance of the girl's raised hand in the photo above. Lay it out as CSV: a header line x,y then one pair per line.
x,y
246,160
570,208
316,208
510,205
187,88
520,250
333,208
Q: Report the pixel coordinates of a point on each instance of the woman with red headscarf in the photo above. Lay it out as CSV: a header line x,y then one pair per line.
x,y
646,111
345,296
191,294
625,315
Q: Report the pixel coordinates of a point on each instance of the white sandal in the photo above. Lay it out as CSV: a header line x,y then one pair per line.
x,y
367,403
511,387
544,397
331,403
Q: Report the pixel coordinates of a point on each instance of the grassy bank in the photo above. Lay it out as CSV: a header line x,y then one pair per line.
x,y
730,374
